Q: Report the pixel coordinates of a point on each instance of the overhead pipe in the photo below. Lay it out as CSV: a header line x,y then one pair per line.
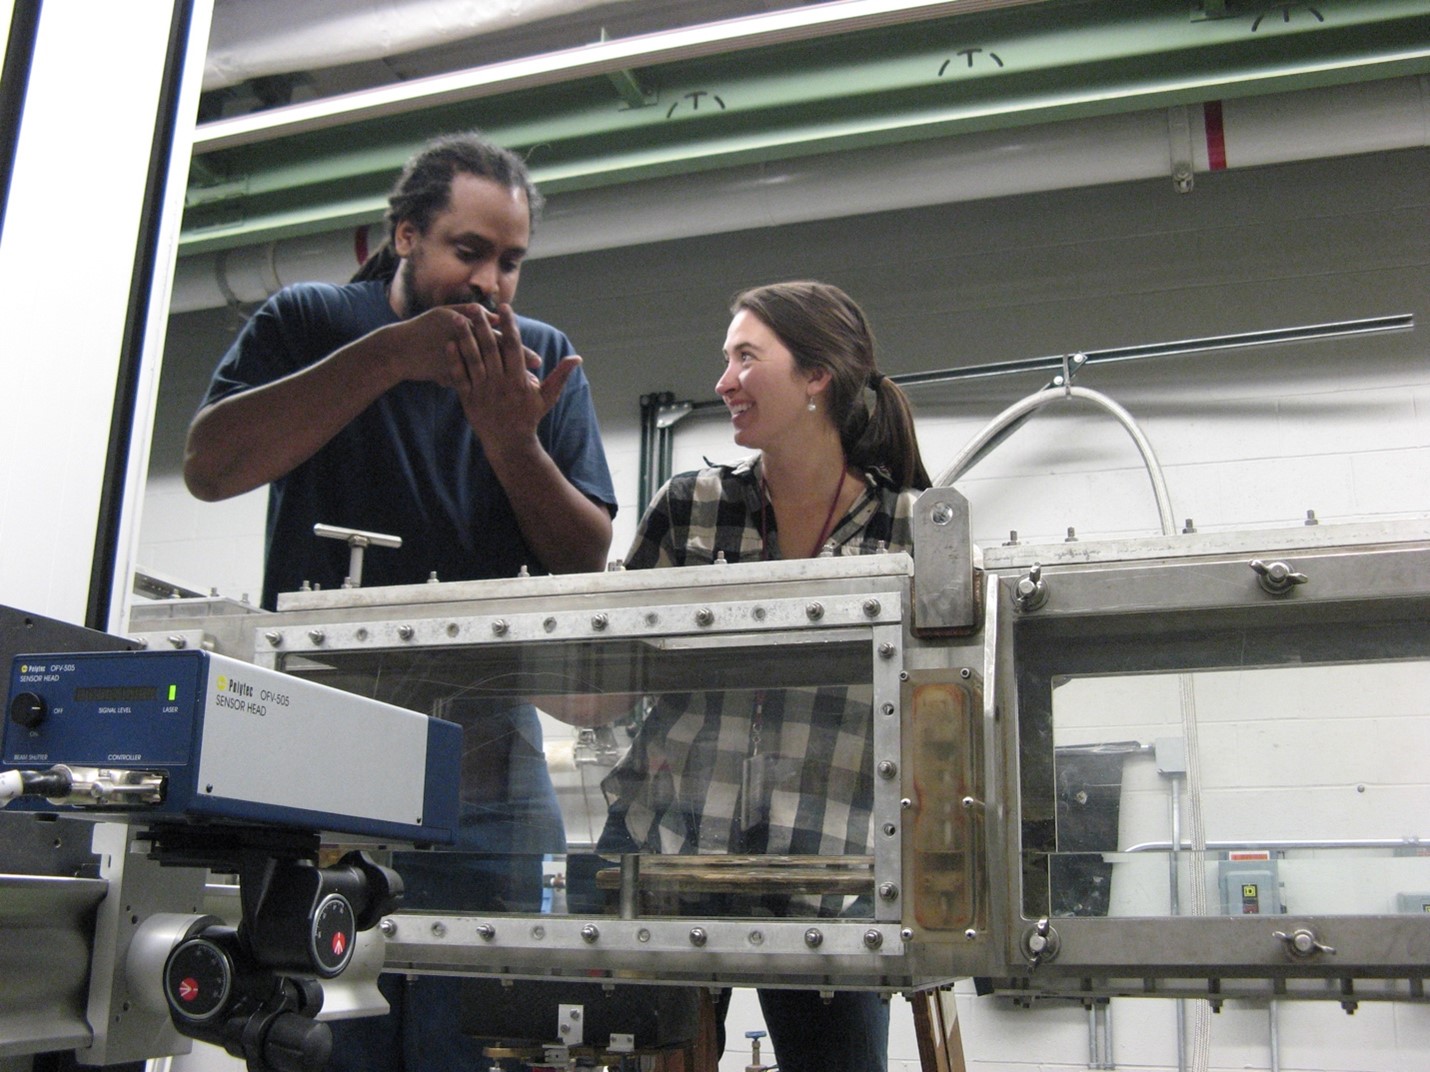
x,y
253,38
973,451
1175,143
679,44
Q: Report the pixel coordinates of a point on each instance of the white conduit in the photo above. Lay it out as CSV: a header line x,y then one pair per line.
x,y
1022,408
1366,117
251,38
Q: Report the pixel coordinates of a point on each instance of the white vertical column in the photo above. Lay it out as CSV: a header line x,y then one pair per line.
x,y
7,12
73,223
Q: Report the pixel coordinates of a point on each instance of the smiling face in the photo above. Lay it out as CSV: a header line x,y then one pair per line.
x,y
765,390
471,250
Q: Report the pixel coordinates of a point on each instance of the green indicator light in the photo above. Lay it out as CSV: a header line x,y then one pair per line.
x,y
173,692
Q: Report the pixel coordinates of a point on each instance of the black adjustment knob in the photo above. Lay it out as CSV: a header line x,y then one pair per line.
x,y
198,980
28,709
333,934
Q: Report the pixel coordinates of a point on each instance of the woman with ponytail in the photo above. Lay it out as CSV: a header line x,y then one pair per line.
x,y
838,466
785,771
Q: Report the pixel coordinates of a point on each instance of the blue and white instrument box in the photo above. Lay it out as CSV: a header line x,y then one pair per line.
x,y
228,741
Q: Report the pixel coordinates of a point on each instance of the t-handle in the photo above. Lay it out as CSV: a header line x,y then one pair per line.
x,y
356,540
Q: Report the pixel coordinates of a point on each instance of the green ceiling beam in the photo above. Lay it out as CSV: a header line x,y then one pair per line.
x,y
877,87
682,44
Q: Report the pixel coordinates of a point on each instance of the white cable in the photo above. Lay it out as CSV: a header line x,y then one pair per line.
x,y
12,785
969,456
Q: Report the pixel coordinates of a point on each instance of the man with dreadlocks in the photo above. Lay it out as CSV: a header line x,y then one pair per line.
x,y
397,403
413,401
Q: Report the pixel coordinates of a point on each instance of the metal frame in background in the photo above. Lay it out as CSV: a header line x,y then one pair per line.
x,y
1178,604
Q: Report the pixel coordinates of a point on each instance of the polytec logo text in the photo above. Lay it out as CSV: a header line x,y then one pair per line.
x,y
238,688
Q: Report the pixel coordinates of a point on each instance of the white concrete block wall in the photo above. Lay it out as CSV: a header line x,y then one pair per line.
x,y
1247,438
205,546
1313,753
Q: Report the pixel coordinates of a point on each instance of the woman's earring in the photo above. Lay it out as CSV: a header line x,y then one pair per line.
x,y
810,404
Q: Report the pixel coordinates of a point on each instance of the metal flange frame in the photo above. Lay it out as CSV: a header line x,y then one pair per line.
x,y
867,605
1145,603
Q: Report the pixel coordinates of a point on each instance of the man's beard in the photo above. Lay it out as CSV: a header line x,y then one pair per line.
x,y
418,302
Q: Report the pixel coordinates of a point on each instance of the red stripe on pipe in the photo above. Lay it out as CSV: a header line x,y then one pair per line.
x,y
360,244
1216,136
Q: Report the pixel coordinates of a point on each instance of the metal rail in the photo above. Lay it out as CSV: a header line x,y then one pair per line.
x,y
661,412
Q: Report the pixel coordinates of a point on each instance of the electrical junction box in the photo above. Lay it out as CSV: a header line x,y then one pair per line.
x,y
1412,902
1250,885
227,741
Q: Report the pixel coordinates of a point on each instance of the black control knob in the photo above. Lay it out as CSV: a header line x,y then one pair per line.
x,y
334,931
28,709
198,979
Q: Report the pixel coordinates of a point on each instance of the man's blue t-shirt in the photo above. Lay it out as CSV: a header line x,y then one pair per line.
x,y
409,465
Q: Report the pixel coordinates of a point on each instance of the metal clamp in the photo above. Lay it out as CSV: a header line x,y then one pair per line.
x,y
1277,578
944,587
1031,591
1040,943
1302,943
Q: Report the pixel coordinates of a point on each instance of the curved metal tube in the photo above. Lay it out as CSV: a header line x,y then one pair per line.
x,y
1003,425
